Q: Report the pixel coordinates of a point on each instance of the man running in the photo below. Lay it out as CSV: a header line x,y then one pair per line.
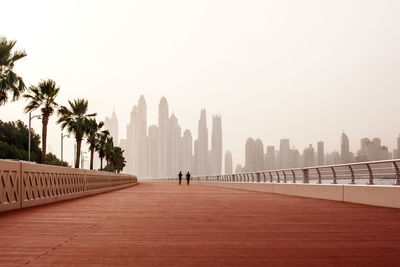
x,y
188,178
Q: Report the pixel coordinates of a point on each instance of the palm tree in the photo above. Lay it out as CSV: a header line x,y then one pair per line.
x,y
101,141
91,132
76,120
109,150
9,80
43,95
119,160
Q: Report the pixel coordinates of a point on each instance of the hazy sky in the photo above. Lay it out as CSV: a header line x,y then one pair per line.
x,y
304,70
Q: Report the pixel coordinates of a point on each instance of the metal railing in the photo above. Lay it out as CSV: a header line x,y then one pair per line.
x,y
383,172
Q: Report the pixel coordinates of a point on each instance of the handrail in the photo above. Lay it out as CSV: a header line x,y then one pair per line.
x,y
375,172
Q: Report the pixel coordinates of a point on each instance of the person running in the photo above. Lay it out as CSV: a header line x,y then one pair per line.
x,y
188,178
180,177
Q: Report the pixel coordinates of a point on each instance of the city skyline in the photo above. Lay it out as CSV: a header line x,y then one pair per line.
x,y
290,77
164,149
288,156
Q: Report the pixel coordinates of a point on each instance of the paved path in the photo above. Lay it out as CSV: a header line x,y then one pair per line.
x,y
165,224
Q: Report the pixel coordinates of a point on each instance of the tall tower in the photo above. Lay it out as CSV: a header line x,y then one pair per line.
x,y
187,151
250,160
284,154
345,149
321,160
258,155
163,125
111,124
202,144
228,162
141,137
175,147
270,158
216,145
153,150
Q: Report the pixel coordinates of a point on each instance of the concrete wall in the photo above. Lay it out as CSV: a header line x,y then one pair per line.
x,y
24,184
376,195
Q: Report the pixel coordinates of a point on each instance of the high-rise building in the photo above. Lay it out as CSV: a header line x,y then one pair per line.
x,y
131,164
295,161
202,145
141,138
216,145
309,156
111,124
153,150
396,152
137,140
284,154
187,151
321,160
345,149
228,162
163,127
175,147
258,155
270,158
249,157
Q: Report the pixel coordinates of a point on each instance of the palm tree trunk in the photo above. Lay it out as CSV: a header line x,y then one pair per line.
x,y
45,121
91,158
78,152
101,163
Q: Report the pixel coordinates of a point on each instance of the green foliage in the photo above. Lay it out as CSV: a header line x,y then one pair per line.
x,y
51,159
10,82
14,142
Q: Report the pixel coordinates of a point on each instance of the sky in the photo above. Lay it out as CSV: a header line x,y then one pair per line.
x,y
304,70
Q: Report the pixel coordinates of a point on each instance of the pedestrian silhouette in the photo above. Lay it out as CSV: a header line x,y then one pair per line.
x,y
180,177
188,178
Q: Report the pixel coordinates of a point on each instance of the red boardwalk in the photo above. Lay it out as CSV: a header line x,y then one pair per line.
x,y
165,224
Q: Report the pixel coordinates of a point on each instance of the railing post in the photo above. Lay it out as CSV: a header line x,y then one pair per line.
x,y
279,179
305,176
271,179
319,176
353,178
371,175
397,173
334,175
258,177
284,177
265,177
294,176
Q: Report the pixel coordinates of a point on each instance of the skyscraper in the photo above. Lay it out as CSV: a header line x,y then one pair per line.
x,y
187,151
284,154
258,155
216,145
250,159
202,144
309,156
345,149
153,150
141,138
321,160
111,124
174,147
163,127
270,158
228,162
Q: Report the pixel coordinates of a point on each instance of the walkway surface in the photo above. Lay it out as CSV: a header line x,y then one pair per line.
x,y
161,224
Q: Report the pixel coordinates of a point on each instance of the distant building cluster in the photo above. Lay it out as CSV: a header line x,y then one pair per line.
x,y
287,156
162,151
